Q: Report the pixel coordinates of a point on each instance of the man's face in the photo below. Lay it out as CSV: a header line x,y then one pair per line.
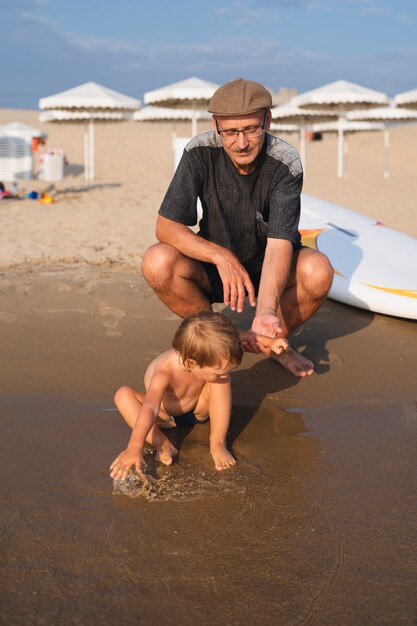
x,y
243,148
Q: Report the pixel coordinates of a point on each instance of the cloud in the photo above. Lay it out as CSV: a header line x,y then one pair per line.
x,y
247,13
47,58
84,42
90,43
374,10
404,19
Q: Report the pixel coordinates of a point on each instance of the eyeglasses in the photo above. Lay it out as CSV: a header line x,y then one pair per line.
x,y
250,131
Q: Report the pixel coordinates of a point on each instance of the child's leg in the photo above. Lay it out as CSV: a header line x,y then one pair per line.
x,y
129,402
216,401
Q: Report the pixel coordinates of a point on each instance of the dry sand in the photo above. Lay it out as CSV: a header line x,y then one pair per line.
x,y
315,525
112,218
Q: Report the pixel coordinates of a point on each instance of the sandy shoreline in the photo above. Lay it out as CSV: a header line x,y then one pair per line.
x,y
112,219
316,525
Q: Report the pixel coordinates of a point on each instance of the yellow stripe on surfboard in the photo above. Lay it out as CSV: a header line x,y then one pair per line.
x,y
407,293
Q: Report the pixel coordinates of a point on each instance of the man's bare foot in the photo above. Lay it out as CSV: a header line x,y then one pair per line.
x,y
166,452
221,456
294,362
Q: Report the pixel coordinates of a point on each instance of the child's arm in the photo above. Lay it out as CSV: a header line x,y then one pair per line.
x,y
219,409
272,344
132,455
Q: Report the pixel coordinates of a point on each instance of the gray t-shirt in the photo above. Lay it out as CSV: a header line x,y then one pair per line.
x,y
239,211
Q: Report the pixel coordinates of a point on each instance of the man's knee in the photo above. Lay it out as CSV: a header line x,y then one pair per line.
x,y
317,272
158,263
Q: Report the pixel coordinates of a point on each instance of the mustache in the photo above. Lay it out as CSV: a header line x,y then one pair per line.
x,y
243,150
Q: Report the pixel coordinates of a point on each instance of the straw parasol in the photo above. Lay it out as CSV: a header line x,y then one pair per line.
x,y
406,99
157,114
88,102
340,96
192,93
291,114
387,116
284,128
347,127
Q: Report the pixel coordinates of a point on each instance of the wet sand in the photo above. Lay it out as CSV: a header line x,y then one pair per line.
x,y
315,525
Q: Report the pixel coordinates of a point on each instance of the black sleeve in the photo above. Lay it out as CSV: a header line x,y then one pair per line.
x,y
180,201
284,208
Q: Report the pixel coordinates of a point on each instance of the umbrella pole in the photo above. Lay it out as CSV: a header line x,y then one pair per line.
x,y
194,122
346,158
91,150
340,149
386,152
86,157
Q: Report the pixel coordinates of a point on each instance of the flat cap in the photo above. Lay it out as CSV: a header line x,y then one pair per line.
x,y
239,97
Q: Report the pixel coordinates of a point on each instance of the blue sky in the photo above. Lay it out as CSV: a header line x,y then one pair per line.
x,y
133,46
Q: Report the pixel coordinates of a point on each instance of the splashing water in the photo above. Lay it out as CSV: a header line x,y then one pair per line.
x,y
181,482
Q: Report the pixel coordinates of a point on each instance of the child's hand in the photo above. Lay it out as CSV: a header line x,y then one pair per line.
x,y
279,345
121,465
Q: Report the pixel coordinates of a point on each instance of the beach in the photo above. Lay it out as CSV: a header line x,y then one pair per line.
x,y
314,525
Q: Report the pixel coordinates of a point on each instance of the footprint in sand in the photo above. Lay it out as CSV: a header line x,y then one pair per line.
x,y
113,316
7,317
86,289
25,289
61,287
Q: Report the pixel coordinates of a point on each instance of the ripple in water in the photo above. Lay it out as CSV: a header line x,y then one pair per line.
x,y
180,482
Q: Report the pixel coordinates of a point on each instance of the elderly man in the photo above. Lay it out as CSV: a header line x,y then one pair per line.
x,y
249,184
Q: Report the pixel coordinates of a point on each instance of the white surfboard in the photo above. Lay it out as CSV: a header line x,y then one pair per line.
x,y
375,266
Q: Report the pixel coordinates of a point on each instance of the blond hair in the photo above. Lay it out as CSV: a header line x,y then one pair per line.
x,y
208,339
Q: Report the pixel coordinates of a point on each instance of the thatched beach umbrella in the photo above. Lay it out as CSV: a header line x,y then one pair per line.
x,y
284,128
158,114
407,99
341,96
88,102
192,93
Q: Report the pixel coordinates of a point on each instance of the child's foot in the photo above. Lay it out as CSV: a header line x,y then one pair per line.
x,y
221,456
166,452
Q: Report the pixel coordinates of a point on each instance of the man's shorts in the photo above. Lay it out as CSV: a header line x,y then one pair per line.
x,y
253,268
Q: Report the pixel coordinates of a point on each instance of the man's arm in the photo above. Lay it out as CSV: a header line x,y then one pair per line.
x,y
234,277
274,278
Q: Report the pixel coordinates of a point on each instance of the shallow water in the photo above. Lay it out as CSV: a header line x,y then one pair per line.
x,y
315,525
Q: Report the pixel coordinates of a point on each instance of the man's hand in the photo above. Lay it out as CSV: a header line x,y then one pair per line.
x,y
235,281
120,467
267,324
